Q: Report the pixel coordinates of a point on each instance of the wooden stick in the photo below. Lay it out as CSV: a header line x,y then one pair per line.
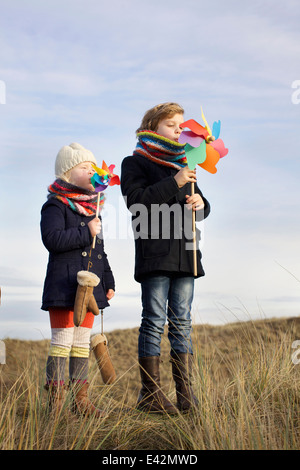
x,y
97,213
194,232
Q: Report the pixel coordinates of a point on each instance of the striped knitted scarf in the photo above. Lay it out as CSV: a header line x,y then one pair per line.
x,y
161,150
80,200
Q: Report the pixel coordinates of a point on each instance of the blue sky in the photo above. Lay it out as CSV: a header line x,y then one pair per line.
x,y
86,71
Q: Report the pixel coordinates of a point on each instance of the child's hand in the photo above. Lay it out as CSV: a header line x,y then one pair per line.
x,y
185,175
110,293
95,226
196,202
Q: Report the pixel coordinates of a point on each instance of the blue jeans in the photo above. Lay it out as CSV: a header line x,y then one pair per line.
x,y
166,298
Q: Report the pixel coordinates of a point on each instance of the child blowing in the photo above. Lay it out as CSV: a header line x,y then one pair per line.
x,y
156,175
68,225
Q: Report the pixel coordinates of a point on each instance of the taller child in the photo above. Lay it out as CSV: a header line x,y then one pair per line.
x,y
68,225
157,176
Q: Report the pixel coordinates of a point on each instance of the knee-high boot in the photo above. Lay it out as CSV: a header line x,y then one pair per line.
x,y
182,375
151,397
79,386
80,400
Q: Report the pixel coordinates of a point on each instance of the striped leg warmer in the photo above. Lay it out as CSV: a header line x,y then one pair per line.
x,y
68,340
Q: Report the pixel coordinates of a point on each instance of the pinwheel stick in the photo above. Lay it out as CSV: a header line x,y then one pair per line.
x,y
97,213
194,233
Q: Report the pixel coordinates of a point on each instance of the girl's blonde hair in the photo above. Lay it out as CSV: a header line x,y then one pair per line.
x,y
66,176
153,116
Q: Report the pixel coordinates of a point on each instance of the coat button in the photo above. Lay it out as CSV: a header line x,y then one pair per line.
x,y
99,256
82,224
99,241
84,253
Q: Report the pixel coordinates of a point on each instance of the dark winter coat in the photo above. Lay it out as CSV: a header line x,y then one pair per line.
x,y
67,237
152,185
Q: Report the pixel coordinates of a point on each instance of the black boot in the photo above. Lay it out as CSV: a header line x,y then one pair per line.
x,y
182,373
151,398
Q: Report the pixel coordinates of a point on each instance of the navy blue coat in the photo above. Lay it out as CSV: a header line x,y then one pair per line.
x,y
67,237
152,185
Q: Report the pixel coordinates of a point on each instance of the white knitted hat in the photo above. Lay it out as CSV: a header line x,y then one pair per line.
x,y
70,156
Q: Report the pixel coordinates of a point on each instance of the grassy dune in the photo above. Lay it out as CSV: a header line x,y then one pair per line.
x,y
244,377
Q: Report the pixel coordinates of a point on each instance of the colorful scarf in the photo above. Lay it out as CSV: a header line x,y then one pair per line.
x,y
80,200
161,150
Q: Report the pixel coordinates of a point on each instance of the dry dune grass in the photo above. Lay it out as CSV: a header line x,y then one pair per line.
x,y
245,379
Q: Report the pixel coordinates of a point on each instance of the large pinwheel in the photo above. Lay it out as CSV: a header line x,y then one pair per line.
x,y
203,146
101,179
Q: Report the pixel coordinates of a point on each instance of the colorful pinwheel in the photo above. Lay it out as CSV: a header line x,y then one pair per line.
x,y
104,177
203,146
101,179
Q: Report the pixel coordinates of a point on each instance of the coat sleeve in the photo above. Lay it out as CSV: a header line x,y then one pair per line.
x,y
136,188
55,236
108,275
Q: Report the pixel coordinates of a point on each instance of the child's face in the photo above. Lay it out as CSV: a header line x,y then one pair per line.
x,y
81,175
169,127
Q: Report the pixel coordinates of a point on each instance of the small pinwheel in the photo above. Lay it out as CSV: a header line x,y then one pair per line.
x,y
203,146
104,177
101,179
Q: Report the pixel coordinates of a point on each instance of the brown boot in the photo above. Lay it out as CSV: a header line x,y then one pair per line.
x,y
81,403
151,397
56,397
182,373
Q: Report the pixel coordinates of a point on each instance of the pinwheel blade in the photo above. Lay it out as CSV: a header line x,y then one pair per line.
x,y
212,158
219,146
206,123
195,155
111,169
105,167
216,129
114,180
195,127
100,187
99,171
189,137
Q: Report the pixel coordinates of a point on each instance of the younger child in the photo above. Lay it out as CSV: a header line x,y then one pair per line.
x,y
68,225
157,176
